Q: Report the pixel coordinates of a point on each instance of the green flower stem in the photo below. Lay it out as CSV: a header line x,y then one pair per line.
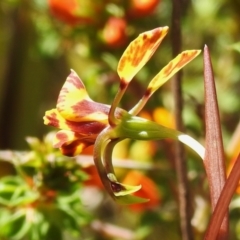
x,y
139,106
113,121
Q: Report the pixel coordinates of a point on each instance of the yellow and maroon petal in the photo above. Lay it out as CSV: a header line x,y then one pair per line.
x,y
54,119
171,68
62,137
74,103
90,129
74,148
90,111
70,143
139,52
72,91
164,75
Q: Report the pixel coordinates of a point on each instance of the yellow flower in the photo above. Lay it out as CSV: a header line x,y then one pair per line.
x,y
84,122
81,119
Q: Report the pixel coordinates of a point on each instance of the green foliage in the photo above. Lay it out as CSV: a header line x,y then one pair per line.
x,y
44,197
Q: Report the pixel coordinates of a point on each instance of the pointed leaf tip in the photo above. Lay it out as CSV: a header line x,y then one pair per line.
x,y
214,161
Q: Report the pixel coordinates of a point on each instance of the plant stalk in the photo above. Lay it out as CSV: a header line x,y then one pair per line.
x,y
180,161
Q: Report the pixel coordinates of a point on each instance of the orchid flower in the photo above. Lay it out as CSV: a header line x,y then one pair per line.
x,y
84,122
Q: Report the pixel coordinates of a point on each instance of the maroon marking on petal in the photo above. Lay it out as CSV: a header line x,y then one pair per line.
x,y
75,80
156,35
90,129
64,90
117,187
85,107
169,69
122,63
148,44
144,36
148,92
53,121
136,52
61,98
62,137
185,58
70,149
123,84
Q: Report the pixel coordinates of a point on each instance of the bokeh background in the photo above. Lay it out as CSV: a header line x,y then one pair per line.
x,y
40,41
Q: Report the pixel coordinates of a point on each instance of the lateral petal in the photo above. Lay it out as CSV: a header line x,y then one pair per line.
x,y
90,128
171,68
53,118
139,52
70,143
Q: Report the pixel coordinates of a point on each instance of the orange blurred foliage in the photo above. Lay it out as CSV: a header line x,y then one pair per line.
x,y
141,8
73,12
163,117
149,190
114,32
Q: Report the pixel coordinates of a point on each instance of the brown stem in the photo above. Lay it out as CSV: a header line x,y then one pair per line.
x,y
180,161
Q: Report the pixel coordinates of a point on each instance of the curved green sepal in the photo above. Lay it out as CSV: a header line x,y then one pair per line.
x,y
130,199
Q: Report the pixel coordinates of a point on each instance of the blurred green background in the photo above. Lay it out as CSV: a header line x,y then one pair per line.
x,y
40,41
39,47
